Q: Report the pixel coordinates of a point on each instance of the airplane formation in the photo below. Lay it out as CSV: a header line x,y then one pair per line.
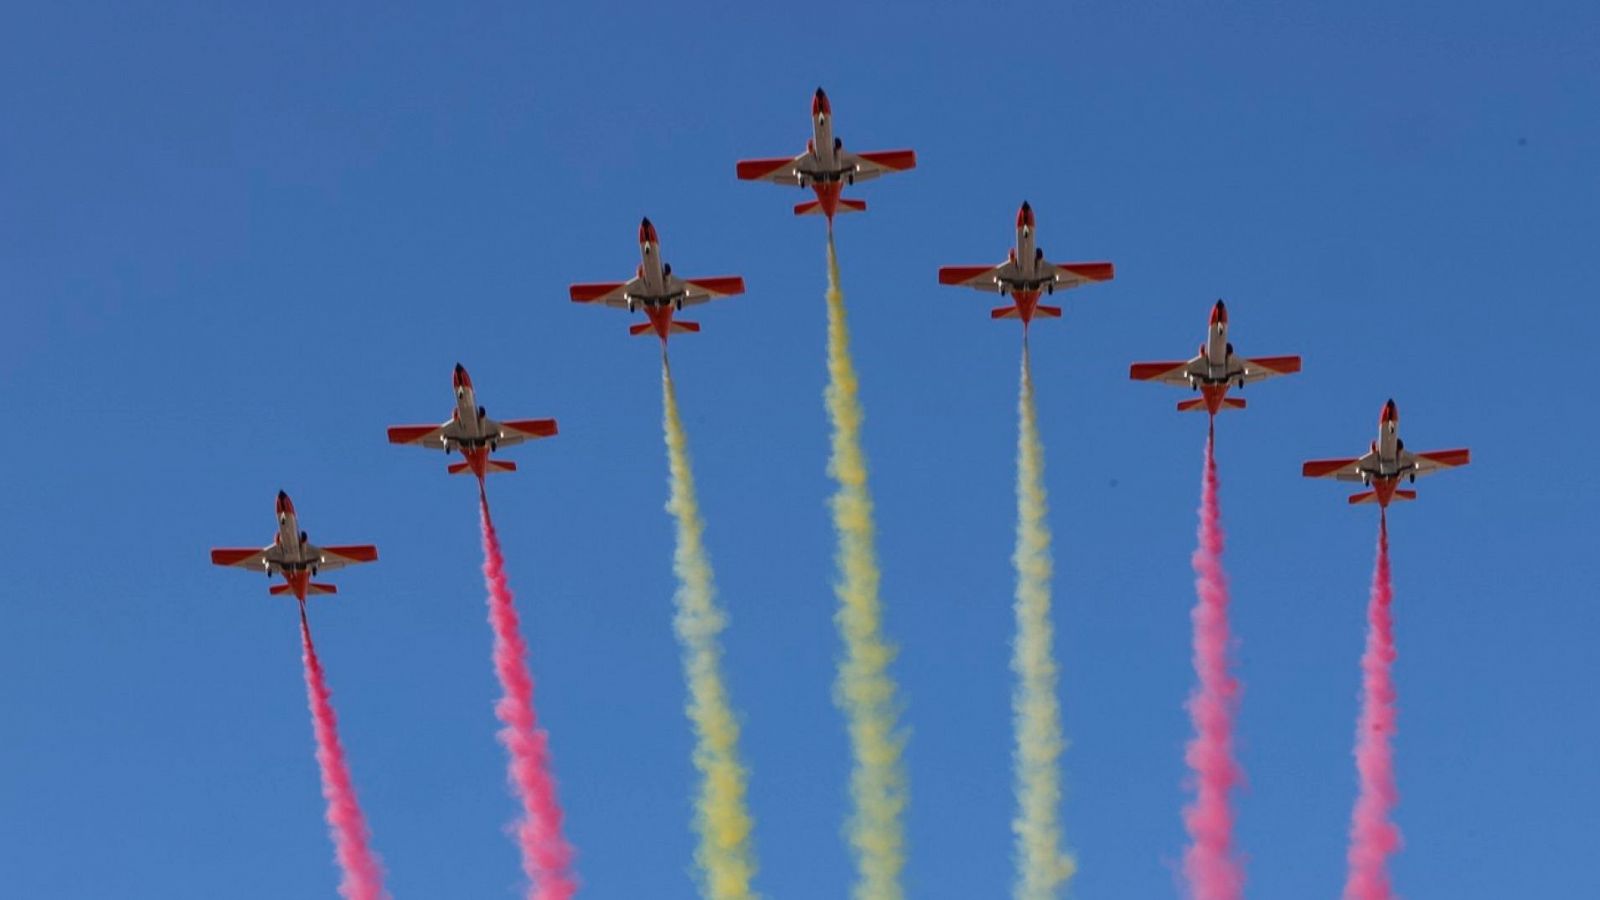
x,y
826,167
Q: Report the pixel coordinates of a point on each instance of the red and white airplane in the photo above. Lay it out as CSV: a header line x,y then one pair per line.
x,y
826,167
1215,370
1025,275
1386,463
294,557
470,430
656,290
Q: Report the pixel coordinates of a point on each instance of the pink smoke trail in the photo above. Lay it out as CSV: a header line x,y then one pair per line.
x,y
363,876
1210,867
546,855
1373,837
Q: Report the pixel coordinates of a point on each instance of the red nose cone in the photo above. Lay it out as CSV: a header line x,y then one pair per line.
x,y
1025,216
1219,314
647,233
819,104
1391,414
285,505
461,379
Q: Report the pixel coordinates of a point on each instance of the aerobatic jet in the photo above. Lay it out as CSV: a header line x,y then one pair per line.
x,y
656,290
1215,370
826,167
1386,463
1025,275
292,555
470,430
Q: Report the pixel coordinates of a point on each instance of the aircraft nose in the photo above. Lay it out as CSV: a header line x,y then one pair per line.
x,y
1219,314
1391,413
647,231
1025,215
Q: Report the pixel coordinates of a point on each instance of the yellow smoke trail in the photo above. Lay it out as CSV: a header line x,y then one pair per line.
x,y
864,688
723,824
1044,865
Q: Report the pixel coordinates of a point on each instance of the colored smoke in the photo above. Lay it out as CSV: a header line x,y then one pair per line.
x,y
1210,865
1373,836
722,820
362,875
864,689
1044,865
546,855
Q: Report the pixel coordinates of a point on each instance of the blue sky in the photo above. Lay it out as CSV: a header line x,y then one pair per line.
x,y
236,243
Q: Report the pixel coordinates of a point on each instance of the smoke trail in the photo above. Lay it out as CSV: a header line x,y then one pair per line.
x,y
363,876
1209,863
1045,866
864,688
726,859
546,855
1373,837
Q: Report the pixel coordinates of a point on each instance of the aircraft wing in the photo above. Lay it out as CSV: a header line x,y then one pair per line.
x,y
786,170
1434,460
331,558
700,290
1177,373
1071,275
609,293
1338,469
1252,370
421,435
878,162
243,557
517,431
983,278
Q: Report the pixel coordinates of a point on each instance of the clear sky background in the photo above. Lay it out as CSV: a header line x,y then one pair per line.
x,y
237,241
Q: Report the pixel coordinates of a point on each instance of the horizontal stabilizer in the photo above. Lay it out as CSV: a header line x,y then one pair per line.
x,y
1197,403
1372,496
1047,312
814,207
641,328
1004,312
685,327
460,468
499,465
281,589
1233,403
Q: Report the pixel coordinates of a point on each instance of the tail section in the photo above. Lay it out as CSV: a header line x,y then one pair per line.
x,y
1004,312
641,328
1372,496
1232,403
279,590
814,207
1047,312
684,327
1195,405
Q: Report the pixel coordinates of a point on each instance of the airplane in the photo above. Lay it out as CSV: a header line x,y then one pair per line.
x,y
294,557
470,430
826,167
1025,274
1215,370
656,290
1382,467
